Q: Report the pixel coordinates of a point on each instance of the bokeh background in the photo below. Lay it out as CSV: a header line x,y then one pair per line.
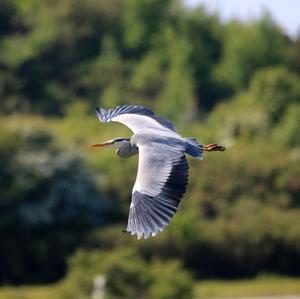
x,y
63,206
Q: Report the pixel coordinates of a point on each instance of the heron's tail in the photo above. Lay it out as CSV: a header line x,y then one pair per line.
x,y
194,148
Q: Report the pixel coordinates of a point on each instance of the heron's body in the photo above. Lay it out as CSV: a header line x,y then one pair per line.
x,y
162,170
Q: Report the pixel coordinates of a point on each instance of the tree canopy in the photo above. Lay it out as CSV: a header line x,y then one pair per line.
x,y
236,83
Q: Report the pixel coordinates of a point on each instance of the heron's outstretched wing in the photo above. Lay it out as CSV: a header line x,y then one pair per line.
x,y
135,117
160,184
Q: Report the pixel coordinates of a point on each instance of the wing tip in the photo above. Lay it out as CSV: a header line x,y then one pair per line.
x,y
145,236
102,114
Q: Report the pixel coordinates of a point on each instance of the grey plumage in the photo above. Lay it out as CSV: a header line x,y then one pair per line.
x,y
108,115
150,214
127,150
162,174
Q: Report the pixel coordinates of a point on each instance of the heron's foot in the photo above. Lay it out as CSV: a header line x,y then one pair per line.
x,y
125,231
213,147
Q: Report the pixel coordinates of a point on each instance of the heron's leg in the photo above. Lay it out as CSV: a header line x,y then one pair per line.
x,y
213,147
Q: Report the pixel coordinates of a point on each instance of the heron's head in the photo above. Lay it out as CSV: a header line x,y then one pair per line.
x,y
116,143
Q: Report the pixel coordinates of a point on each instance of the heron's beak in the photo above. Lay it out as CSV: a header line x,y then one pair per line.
x,y
107,143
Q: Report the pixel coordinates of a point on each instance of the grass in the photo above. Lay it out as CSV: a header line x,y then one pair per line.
x,y
30,292
261,286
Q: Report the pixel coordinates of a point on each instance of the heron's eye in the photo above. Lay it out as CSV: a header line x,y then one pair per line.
x,y
121,139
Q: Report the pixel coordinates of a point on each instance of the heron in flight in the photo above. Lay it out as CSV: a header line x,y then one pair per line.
x,y
162,174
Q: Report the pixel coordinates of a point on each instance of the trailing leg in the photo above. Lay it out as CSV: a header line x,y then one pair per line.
x,y
213,147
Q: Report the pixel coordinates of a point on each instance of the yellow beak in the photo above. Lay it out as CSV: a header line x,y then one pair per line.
x,y
100,144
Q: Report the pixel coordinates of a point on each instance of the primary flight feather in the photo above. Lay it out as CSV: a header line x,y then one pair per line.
x,y
162,174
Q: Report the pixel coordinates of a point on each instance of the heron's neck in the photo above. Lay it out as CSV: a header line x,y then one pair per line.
x,y
122,144
127,150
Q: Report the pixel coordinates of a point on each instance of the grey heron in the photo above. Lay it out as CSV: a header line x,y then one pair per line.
x,y
162,174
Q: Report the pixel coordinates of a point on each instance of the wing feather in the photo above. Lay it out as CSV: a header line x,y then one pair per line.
x,y
135,117
156,195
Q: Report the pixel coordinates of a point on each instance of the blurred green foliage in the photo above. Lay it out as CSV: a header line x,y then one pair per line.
x,y
259,45
43,203
127,275
235,83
